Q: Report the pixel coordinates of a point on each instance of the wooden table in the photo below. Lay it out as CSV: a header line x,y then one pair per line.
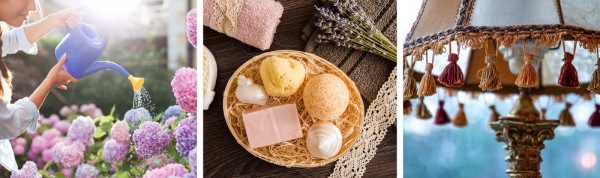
x,y
223,156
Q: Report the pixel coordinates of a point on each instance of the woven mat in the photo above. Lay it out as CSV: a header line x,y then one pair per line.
x,y
368,71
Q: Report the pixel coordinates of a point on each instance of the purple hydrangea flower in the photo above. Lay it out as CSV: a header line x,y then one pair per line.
x,y
39,144
32,156
86,171
62,126
29,170
185,134
172,111
114,151
135,116
170,170
150,139
192,160
191,26
184,89
120,132
74,108
82,130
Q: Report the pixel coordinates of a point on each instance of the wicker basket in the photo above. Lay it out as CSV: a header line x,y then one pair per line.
x,y
293,153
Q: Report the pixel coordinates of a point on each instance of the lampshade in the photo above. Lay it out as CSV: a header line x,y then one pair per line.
x,y
473,24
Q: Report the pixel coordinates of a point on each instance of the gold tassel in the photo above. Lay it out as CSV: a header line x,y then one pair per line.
x,y
527,77
489,75
410,86
422,110
565,117
460,119
427,85
594,86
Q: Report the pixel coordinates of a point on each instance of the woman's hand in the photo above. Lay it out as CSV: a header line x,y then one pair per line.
x,y
58,77
66,17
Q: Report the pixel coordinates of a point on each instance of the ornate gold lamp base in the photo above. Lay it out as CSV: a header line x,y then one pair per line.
x,y
524,134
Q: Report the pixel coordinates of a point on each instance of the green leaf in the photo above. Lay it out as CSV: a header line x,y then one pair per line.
x,y
59,174
172,151
112,111
99,133
48,165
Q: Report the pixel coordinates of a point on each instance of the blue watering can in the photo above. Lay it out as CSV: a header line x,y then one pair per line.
x,y
84,46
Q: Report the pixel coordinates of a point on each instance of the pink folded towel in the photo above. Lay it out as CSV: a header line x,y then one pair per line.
x,y
252,22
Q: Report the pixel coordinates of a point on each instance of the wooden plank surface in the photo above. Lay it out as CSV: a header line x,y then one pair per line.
x,y
223,156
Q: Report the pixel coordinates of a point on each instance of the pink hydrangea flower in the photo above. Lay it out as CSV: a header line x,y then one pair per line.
x,y
184,89
47,155
39,144
170,170
120,132
53,119
67,172
29,170
19,150
191,26
64,111
62,126
50,134
69,155
20,141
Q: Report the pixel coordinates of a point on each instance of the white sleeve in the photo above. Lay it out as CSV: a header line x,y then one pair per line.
x,y
15,40
15,118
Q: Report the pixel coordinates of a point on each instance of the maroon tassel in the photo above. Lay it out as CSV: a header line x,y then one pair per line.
x,y
568,73
441,117
407,107
452,75
595,118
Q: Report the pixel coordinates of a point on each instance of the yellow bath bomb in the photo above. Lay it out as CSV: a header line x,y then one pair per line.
x,y
281,76
326,97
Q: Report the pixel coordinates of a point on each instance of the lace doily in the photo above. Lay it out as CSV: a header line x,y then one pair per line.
x,y
380,115
224,19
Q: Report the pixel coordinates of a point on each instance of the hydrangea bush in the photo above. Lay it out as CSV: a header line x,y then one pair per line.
x,y
67,144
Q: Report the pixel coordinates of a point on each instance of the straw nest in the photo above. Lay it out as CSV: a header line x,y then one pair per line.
x,y
293,153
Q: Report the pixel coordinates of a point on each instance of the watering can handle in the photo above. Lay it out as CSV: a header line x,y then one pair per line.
x,y
102,29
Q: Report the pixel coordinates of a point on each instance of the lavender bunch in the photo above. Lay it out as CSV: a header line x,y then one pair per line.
x,y
345,23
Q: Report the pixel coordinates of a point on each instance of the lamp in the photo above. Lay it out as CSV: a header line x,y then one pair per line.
x,y
513,27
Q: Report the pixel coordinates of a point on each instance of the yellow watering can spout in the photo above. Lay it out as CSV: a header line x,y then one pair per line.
x,y
136,82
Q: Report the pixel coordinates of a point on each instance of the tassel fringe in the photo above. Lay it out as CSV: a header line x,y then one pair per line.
x,y
568,73
489,75
427,84
441,117
527,77
452,75
422,110
565,117
460,119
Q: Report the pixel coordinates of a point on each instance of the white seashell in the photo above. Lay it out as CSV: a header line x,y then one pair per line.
x,y
324,140
249,92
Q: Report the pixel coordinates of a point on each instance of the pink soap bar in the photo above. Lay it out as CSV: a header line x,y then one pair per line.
x,y
272,124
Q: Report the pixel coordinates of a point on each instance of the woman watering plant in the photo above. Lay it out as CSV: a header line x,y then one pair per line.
x,y
23,114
